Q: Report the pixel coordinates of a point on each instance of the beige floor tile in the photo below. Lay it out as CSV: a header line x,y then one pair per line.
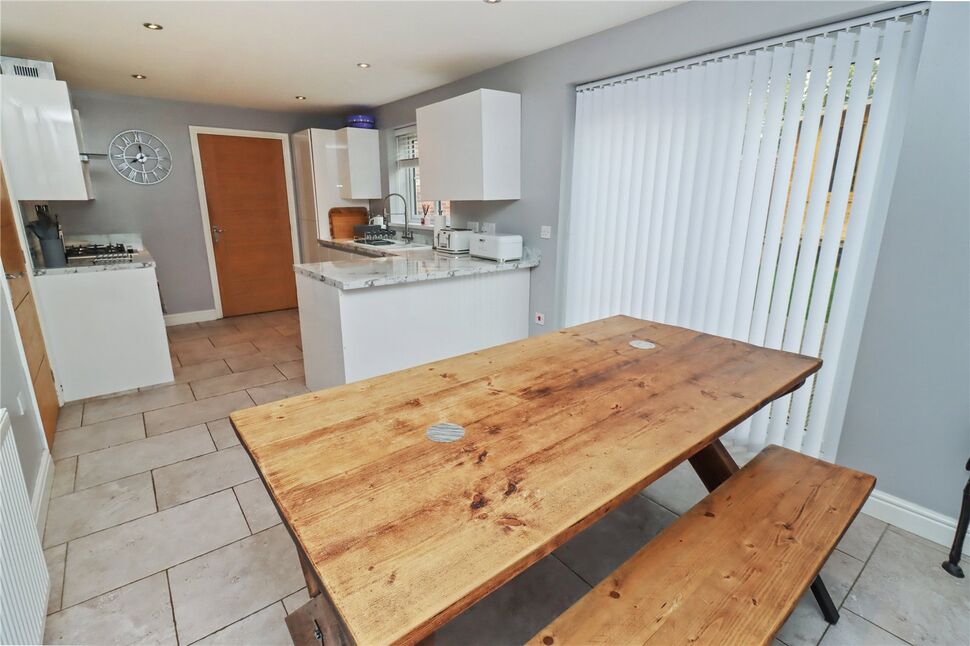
x,y
219,324
273,340
257,506
223,352
101,435
806,625
904,590
142,455
64,473
266,628
140,613
249,334
296,601
188,331
249,322
853,630
185,374
222,433
250,361
100,410
54,557
190,345
519,609
281,353
277,391
236,381
861,537
97,508
183,481
115,557
197,412
288,329
291,369
219,588
70,416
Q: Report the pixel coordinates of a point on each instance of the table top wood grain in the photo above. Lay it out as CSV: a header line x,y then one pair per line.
x,y
405,533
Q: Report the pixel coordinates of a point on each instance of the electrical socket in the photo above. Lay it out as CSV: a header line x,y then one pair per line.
x,y
540,318
488,227
473,226
545,232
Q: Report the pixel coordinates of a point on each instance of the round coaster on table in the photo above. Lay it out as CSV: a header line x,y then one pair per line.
x,y
641,344
445,432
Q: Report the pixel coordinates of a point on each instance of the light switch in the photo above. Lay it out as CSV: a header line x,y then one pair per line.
x,y
545,232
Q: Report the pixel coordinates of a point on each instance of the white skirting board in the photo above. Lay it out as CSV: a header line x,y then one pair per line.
x,y
914,518
183,318
42,492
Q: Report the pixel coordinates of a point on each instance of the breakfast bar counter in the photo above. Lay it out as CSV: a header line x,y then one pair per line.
x,y
368,316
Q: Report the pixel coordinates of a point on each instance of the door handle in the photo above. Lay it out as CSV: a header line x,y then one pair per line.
x,y
19,274
216,231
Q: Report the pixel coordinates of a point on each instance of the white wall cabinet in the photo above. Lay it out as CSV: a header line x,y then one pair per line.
x,y
40,140
359,163
321,165
470,147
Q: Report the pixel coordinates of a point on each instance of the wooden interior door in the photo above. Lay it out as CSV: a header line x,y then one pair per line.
x,y
246,194
25,311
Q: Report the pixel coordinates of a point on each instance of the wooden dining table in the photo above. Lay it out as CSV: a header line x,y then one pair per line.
x,y
398,533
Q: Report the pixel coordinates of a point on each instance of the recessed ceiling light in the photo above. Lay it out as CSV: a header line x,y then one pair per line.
x,y
300,97
492,1
154,26
139,76
363,66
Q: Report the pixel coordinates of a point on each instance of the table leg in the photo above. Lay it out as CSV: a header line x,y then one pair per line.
x,y
713,465
312,584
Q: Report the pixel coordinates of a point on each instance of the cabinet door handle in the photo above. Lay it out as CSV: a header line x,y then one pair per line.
x,y
216,231
19,274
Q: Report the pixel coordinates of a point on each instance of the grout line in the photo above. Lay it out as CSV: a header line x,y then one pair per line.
x,y
236,621
171,605
882,628
241,510
566,565
174,565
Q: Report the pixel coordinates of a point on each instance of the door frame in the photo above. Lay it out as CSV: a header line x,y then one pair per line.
x,y
284,138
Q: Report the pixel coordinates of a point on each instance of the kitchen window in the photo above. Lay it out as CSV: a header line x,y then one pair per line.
x,y
406,179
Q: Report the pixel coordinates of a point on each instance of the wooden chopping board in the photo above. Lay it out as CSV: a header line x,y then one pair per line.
x,y
343,219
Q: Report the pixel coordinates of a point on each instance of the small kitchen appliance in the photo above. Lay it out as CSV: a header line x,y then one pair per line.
x,y
453,241
496,247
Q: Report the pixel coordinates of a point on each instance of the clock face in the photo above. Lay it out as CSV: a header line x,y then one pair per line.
x,y
140,157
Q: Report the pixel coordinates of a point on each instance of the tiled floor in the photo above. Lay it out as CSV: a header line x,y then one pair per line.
x,y
160,532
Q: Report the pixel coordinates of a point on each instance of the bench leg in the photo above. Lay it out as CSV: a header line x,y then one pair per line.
x,y
713,465
829,611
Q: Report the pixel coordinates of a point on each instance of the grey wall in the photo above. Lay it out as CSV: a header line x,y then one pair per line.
x,y
546,81
167,215
908,416
907,421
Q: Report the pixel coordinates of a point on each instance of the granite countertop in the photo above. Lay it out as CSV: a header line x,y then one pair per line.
x,y
373,251
399,266
139,260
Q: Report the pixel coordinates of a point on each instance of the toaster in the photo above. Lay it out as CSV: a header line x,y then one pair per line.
x,y
453,240
496,247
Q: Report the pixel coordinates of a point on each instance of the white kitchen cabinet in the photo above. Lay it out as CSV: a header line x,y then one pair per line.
x,y
359,163
317,162
40,141
105,329
470,147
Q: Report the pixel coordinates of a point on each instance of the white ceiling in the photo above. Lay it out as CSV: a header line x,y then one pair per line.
x,y
262,54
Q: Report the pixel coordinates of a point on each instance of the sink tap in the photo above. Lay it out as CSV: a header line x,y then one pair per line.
x,y
407,236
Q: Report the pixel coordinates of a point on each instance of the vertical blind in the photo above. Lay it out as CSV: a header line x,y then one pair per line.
x,y
734,195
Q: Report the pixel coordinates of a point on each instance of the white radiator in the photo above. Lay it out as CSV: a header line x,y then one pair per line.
x,y
23,571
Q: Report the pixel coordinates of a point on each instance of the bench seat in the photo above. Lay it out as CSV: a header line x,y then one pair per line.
x,y
730,570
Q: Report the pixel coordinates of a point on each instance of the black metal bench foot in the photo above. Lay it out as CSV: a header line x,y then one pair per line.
x,y
829,611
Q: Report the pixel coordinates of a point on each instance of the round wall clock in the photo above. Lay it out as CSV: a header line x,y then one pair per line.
x,y
140,157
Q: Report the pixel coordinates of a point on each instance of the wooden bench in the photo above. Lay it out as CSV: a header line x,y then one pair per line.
x,y
730,570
